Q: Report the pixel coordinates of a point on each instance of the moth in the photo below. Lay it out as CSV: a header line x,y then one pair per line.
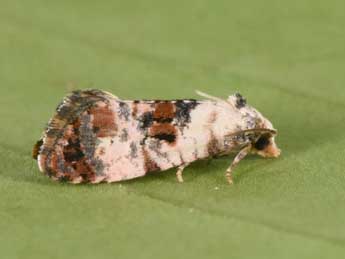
x,y
96,137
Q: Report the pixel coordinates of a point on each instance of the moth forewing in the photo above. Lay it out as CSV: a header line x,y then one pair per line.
x,y
95,136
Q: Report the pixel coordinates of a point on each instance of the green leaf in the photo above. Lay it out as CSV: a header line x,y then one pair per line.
x,y
286,58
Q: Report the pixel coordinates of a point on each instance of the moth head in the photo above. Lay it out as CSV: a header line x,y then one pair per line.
x,y
265,145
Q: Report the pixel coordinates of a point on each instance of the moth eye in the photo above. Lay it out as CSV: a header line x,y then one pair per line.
x,y
262,143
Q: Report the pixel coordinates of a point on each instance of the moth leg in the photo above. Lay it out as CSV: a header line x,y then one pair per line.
x,y
179,172
242,154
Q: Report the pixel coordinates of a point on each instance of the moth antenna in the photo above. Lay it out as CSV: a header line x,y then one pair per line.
x,y
273,132
207,96
217,99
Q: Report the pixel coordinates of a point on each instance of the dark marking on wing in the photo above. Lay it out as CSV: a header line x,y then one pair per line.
x,y
213,147
145,120
87,135
134,150
134,109
183,110
167,137
123,136
161,122
240,101
72,152
124,111
163,131
149,164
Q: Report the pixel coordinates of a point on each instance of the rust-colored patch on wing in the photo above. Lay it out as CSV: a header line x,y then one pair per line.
x,y
163,131
164,111
84,170
103,121
74,156
52,166
134,109
149,164
213,117
162,128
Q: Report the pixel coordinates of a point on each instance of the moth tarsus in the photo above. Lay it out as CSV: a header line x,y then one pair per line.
x,y
179,172
96,137
241,155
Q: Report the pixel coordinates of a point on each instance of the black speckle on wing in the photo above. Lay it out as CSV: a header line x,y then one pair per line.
x,y
184,109
145,120
124,111
167,137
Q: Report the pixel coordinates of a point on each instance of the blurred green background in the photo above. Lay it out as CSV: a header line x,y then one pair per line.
x,y
286,57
